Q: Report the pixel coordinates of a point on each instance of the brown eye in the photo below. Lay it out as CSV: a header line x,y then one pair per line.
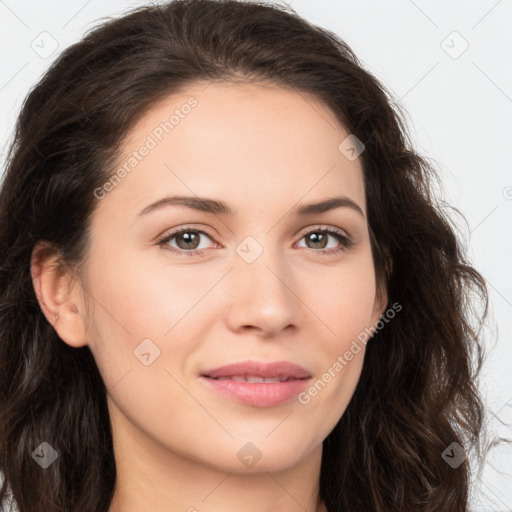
x,y
187,241
318,239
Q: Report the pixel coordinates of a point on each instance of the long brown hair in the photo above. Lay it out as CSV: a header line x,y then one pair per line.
x,y
416,395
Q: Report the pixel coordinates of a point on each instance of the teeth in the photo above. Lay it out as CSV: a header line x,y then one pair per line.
x,y
260,379
253,379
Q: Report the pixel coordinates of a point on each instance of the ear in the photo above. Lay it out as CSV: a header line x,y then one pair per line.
x,y
60,301
381,296
379,306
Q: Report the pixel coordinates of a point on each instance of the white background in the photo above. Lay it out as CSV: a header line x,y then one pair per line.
x,y
460,107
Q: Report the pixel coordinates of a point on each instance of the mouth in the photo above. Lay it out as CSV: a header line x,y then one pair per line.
x,y
254,379
257,384
248,371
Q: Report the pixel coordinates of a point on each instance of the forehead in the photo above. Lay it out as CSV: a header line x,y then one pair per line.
x,y
247,143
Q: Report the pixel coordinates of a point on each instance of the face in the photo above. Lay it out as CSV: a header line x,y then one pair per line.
x,y
264,284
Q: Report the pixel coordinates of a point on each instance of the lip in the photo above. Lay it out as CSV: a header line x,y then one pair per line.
x,y
257,369
258,394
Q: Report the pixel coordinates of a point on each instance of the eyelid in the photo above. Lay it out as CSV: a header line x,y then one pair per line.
x,y
325,227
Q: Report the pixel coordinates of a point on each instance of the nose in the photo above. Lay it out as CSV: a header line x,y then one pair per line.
x,y
262,296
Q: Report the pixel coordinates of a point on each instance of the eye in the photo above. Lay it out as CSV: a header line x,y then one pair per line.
x,y
187,239
319,239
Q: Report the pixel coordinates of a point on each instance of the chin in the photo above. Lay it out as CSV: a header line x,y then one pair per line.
x,y
260,455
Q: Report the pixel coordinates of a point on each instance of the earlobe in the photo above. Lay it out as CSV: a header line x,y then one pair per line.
x,y
57,297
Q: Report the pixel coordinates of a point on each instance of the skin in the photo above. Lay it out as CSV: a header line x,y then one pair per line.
x,y
263,150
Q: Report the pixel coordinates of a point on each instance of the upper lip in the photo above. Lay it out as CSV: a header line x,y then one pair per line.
x,y
256,369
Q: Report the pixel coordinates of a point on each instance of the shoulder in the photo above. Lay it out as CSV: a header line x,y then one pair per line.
x,y
7,504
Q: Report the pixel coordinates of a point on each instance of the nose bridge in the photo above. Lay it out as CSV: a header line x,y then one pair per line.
x,y
262,293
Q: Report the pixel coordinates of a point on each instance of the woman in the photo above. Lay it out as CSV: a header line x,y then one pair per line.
x,y
225,282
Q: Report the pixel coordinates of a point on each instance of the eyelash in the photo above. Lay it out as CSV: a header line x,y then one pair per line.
x,y
346,242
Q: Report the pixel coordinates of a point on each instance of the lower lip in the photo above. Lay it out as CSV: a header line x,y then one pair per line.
x,y
258,394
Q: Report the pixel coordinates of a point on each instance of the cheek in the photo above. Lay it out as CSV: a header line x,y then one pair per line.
x,y
141,322
140,305
142,295
347,307
342,299
344,303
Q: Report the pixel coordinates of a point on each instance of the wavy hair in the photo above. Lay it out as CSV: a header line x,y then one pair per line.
x,y
416,394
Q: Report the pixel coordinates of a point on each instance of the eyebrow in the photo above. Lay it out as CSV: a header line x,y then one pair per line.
x,y
217,207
